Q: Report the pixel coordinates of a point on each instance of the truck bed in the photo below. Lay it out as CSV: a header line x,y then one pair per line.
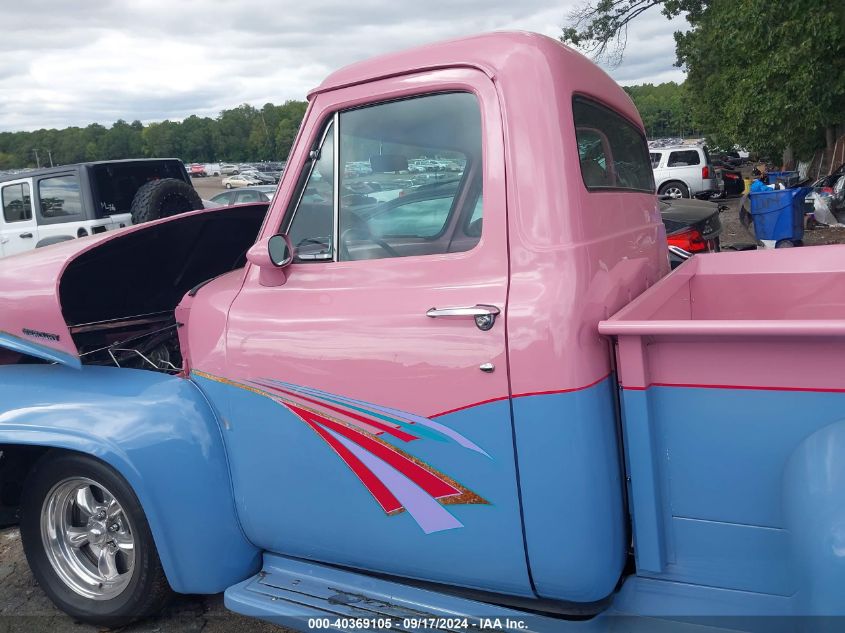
x,y
732,396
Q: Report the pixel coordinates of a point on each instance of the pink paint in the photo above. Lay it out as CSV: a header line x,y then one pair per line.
x,y
747,320
30,286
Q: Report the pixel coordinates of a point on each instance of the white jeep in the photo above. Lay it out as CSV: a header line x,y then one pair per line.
x,y
44,206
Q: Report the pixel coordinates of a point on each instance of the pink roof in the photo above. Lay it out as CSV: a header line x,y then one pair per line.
x,y
488,52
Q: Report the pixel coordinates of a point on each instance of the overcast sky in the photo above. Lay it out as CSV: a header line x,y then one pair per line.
x,y
152,60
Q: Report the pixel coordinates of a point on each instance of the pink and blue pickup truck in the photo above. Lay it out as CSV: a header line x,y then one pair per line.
x,y
466,398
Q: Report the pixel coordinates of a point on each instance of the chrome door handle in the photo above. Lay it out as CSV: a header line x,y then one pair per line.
x,y
484,315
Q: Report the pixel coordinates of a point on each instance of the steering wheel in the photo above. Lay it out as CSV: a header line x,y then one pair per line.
x,y
361,231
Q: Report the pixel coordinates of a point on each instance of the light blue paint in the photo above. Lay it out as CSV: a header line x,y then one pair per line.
x,y
28,348
159,433
290,592
738,492
814,514
572,491
296,497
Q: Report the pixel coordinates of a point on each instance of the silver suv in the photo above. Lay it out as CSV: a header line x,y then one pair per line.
x,y
683,171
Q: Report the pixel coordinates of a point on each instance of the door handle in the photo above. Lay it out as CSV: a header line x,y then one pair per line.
x,y
25,235
484,315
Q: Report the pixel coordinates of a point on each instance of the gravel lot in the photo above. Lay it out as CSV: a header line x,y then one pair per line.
x,y
24,607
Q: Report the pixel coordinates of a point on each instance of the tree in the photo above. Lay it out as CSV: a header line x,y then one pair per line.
x,y
288,126
767,75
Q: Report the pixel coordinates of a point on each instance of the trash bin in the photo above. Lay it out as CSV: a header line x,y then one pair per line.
x,y
778,215
788,178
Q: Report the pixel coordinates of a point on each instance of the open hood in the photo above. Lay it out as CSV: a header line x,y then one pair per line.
x,y
47,294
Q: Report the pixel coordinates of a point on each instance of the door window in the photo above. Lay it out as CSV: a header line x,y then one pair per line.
x,y
59,197
223,198
409,177
17,206
312,229
655,159
409,167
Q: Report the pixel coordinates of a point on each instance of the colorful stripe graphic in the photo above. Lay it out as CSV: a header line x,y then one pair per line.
x,y
355,430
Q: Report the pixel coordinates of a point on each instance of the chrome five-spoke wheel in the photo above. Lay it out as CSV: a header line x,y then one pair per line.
x,y
88,541
88,538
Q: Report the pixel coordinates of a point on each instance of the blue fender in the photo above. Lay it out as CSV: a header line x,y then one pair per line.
x,y
161,435
814,511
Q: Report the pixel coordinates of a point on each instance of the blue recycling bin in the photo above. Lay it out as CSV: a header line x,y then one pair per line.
x,y
779,214
788,178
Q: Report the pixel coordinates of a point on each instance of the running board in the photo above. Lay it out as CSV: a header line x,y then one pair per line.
x,y
309,596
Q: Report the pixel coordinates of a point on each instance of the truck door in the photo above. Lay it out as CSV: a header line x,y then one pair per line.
x,y
18,231
367,405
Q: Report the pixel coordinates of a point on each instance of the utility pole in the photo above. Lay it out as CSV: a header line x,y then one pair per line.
x,y
50,154
37,160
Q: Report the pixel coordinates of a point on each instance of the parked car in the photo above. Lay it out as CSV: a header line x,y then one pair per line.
x,y
212,169
239,180
729,160
507,415
693,226
56,204
733,183
263,178
243,195
227,169
197,171
683,171
831,189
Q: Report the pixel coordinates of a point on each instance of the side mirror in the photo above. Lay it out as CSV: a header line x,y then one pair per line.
x,y
280,250
271,255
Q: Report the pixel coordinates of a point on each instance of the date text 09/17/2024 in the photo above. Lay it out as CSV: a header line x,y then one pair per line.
x,y
376,624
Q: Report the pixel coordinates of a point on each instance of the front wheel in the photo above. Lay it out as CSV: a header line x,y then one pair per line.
x,y
88,542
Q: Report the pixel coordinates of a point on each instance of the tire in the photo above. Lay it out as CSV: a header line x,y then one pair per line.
x,y
133,585
228,185
674,189
162,199
784,244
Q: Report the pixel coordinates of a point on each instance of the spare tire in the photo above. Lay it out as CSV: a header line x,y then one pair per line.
x,y
163,198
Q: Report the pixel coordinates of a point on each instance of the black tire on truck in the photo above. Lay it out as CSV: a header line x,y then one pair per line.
x,y
88,542
163,198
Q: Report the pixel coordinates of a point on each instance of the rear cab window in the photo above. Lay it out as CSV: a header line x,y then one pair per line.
x,y
612,151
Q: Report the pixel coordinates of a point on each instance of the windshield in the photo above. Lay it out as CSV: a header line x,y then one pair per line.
x,y
115,184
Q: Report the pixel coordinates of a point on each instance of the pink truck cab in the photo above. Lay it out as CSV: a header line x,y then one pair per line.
x,y
399,398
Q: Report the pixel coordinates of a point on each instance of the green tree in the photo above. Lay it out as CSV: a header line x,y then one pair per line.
x,y
767,75
290,118
162,139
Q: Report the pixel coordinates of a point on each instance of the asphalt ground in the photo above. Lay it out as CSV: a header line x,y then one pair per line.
x,y
24,607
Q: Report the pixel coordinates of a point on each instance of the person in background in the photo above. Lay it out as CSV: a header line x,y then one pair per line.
x,y
761,179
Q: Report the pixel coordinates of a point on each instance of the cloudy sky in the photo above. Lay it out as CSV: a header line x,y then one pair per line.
x,y
151,60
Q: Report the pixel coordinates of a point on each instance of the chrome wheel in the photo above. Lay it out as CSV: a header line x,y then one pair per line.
x,y
673,192
88,538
